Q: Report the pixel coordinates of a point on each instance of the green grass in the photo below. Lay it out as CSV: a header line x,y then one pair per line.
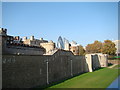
x,y
101,78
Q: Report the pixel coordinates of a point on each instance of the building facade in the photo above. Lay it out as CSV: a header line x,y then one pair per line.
x,y
74,50
117,43
14,45
33,42
49,46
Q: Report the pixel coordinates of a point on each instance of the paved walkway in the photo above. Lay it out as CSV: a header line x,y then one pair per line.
x,y
113,66
115,84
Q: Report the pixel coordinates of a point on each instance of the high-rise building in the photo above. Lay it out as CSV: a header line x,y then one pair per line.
x,y
66,44
60,43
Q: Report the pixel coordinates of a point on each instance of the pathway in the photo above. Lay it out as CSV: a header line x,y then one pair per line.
x,y
115,84
112,66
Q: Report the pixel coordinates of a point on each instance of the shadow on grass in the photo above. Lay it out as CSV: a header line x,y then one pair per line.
x,y
58,82
55,83
97,69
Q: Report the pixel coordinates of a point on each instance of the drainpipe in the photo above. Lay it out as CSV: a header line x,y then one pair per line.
x,y
71,68
47,73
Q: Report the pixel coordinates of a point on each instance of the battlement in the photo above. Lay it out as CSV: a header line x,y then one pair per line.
x,y
3,31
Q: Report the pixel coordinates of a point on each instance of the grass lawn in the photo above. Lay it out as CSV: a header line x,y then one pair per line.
x,y
101,78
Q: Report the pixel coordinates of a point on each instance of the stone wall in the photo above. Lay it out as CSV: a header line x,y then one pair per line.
x,y
0,62
11,49
23,71
114,61
95,61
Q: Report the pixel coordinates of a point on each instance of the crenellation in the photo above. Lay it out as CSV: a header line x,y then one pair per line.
x,y
3,31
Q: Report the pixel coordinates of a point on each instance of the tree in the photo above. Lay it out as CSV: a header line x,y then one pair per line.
x,y
97,46
108,47
89,48
94,47
81,50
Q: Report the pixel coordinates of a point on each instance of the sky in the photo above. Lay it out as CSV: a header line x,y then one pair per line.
x,y
83,22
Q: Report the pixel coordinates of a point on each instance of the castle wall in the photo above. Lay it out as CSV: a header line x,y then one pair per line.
x,y
114,61
25,71
0,63
95,62
99,60
11,49
89,63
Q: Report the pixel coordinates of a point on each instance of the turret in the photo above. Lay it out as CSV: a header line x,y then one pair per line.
x,y
3,39
24,38
41,39
3,31
31,37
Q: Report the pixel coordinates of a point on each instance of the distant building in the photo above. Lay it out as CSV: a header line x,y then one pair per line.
x,y
33,42
74,48
66,44
60,43
117,43
17,38
63,44
49,46
15,45
73,43
32,46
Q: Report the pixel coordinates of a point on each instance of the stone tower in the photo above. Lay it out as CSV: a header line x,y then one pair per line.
x,y
3,39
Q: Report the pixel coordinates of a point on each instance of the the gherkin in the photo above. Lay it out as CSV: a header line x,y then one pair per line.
x,y
60,43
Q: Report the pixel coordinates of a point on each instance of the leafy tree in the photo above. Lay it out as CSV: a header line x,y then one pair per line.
x,y
94,47
97,46
81,50
89,48
108,47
